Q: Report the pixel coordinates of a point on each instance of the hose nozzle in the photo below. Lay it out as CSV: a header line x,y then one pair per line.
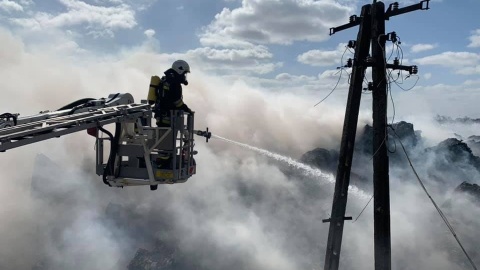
x,y
202,133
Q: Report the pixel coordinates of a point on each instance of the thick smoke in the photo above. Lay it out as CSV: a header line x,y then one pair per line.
x,y
241,210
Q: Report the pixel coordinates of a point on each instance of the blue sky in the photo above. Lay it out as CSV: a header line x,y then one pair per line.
x,y
180,25
275,44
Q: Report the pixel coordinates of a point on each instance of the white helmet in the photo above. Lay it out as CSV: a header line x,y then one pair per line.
x,y
181,67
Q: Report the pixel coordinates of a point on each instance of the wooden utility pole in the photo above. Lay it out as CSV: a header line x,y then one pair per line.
x,y
371,30
362,47
381,188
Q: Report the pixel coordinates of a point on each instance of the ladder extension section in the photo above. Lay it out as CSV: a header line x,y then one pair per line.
x,y
56,126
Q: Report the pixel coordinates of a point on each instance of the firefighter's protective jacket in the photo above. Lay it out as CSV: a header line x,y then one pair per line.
x,y
166,93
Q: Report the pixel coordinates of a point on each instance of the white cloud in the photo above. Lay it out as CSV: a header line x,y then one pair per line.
x,y
404,3
136,4
472,82
324,58
237,55
286,77
149,33
463,63
422,47
275,22
451,59
469,70
315,86
475,39
98,20
26,2
256,59
10,6
427,76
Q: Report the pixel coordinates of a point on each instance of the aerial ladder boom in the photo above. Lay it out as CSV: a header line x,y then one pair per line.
x,y
18,131
135,146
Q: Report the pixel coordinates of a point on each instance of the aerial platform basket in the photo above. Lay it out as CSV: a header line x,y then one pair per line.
x,y
144,155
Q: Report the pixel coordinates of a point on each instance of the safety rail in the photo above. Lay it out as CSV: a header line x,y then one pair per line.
x,y
141,146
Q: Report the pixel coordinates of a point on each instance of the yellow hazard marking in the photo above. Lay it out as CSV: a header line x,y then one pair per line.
x,y
163,174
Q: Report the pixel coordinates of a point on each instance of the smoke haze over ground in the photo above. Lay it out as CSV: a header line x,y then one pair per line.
x,y
242,210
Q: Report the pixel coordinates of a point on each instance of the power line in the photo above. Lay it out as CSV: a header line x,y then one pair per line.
x,y
333,89
442,215
363,209
389,91
400,73
339,78
440,212
415,84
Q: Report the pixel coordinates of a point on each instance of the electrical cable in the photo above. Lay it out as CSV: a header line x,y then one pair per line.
x,y
348,76
415,84
400,48
390,79
388,87
338,81
391,53
393,116
400,57
335,87
393,102
442,215
363,209
365,79
440,212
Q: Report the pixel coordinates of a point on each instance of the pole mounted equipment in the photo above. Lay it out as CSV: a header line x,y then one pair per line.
x,y
371,32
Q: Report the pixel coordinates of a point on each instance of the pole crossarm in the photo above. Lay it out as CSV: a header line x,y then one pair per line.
x,y
393,9
410,69
395,66
354,21
330,219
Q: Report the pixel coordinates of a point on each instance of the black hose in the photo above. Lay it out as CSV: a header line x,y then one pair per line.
x,y
76,103
9,116
109,169
107,132
82,103
114,97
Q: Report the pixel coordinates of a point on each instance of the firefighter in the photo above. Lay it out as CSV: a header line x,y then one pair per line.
x,y
166,92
